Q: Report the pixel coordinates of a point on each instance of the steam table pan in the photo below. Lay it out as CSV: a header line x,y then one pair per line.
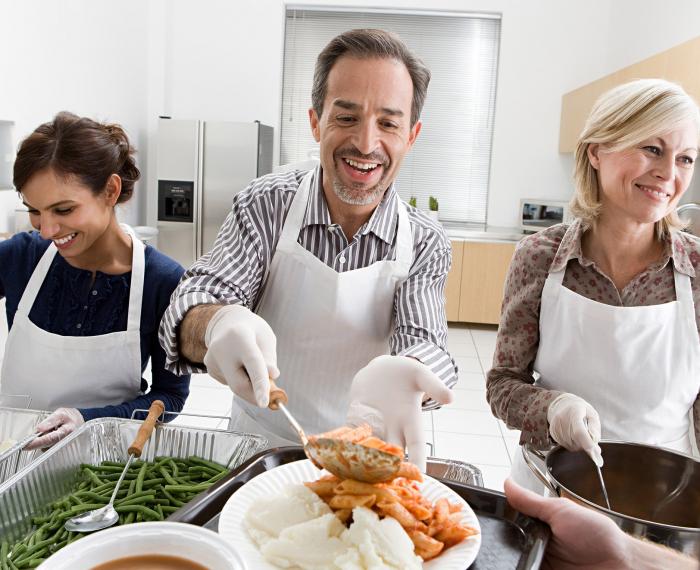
x,y
30,491
510,540
15,425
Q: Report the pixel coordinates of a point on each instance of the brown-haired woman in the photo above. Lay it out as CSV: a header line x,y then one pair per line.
x,y
83,323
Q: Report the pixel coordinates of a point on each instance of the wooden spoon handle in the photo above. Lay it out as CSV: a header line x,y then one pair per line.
x,y
154,412
276,395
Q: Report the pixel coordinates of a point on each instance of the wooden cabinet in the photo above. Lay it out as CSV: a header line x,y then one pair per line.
x,y
474,290
677,64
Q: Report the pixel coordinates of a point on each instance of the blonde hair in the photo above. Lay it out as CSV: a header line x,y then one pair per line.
x,y
621,118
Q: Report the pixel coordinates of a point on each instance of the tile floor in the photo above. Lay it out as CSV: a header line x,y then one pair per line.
x,y
465,430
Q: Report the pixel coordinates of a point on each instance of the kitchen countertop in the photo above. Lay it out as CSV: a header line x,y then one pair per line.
x,y
482,232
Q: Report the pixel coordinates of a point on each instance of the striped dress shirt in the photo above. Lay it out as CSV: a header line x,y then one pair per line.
x,y
235,270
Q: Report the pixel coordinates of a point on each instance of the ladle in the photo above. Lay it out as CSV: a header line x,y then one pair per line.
x,y
107,515
341,458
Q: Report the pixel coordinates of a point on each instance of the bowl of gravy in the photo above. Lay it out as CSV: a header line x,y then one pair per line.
x,y
148,546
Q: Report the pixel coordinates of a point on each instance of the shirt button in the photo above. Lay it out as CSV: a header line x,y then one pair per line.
x,y
78,326
342,260
331,229
85,307
94,292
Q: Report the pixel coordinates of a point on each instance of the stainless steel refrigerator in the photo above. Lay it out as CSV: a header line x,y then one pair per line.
x,y
201,166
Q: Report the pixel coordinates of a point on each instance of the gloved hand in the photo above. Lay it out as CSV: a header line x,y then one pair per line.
x,y
242,352
388,393
574,424
63,422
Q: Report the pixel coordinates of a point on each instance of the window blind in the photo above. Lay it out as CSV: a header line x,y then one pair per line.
x,y
451,157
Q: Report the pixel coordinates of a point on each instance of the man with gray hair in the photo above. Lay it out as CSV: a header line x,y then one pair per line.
x,y
326,278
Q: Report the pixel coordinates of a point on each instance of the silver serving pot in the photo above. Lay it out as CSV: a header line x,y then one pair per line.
x,y
654,493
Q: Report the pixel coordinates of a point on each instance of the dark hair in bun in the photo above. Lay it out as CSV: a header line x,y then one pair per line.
x,y
80,147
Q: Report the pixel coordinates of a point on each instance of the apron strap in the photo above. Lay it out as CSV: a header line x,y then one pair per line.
x,y
404,238
684,291
138,264
36,280
295,217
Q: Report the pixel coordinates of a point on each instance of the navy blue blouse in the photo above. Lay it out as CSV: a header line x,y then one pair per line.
x,y
70,304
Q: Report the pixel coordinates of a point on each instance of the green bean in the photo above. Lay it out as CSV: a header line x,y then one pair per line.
x,y
138,509
137,498
186,488
140,477
215,466
4,549
167,476
94,478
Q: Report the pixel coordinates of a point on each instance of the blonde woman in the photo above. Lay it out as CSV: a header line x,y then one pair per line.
x,y
605,310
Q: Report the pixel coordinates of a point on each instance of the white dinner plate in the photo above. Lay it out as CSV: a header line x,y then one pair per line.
x,y
265,485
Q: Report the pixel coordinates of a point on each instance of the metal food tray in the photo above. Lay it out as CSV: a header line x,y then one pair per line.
x,y
16,424
509,539
30,491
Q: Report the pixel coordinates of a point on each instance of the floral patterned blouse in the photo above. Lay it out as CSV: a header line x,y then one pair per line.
x,y
509,384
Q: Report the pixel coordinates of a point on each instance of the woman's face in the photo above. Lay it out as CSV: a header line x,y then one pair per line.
x,y
644,183
67,212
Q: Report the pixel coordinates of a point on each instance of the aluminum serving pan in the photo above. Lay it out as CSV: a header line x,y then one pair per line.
x,y
16,424
30,491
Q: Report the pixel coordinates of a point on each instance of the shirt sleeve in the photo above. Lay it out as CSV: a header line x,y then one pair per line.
x,y
232,273
509,383
419,305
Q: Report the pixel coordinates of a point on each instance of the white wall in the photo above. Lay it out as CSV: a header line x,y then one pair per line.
x,y
225,62
84,56
220,59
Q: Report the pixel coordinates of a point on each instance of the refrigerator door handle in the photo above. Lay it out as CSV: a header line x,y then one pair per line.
x,y
199,208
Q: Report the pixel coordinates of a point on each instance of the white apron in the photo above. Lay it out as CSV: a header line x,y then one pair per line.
x,y
75,371
328,326
639,367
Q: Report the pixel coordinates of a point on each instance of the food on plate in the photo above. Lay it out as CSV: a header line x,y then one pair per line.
x,y
151,491
432,528
299,530
6,444
343,524
151,562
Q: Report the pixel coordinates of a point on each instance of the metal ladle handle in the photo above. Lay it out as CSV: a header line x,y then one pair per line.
x,y
154,412
278,401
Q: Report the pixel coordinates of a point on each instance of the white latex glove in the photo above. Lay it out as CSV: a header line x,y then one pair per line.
x,y
574,424
388,393
56,426
242,352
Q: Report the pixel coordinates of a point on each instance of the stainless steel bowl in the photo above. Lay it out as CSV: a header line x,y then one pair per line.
x,y
654,493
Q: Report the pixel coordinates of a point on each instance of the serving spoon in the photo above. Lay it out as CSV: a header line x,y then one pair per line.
x,y
343,459
106,516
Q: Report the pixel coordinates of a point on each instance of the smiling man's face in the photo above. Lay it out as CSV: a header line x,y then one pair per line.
x,y
365,128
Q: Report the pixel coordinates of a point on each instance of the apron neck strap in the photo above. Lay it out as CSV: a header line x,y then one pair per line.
x,y
295,217
35,281
684,291
404,237
138,270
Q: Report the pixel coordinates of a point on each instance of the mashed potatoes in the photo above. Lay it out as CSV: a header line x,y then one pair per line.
x,y
298,530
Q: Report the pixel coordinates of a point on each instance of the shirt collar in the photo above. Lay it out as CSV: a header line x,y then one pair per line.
x,y
382,222
570,248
